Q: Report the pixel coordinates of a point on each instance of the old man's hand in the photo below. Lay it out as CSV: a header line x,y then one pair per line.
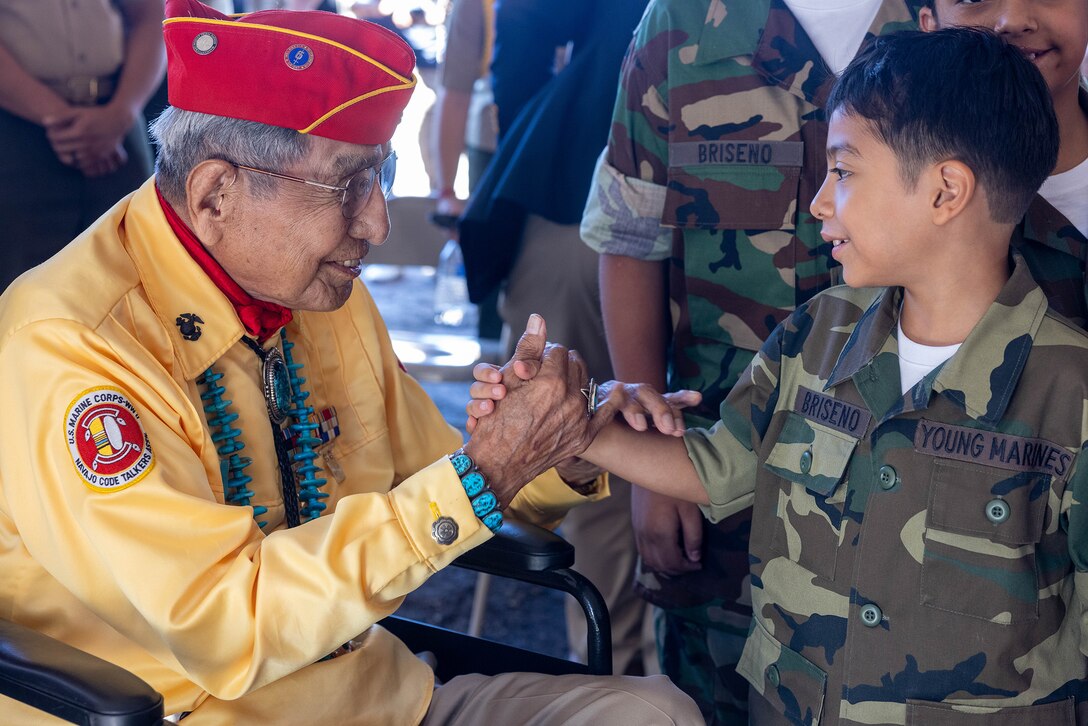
x,y
534,361
640,404
542,420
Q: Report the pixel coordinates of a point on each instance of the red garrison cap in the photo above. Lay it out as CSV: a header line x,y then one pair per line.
x,y
315,72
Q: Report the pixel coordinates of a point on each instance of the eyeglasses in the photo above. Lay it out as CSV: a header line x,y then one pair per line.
x,y
354,194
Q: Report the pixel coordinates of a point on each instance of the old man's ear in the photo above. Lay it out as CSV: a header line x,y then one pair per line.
x,y
211,192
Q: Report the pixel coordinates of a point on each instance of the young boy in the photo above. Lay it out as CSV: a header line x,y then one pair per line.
x,y
1053,236
916,542
910,444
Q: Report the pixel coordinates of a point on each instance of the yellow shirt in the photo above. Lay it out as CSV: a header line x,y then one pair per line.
x,y
114,534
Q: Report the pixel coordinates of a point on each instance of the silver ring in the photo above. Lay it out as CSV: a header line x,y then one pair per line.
x,y
591,397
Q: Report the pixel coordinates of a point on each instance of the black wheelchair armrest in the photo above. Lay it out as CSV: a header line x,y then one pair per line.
x,y
76,686
519,547
533,554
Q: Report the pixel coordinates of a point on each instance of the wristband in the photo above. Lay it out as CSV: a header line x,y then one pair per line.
x,y
485,505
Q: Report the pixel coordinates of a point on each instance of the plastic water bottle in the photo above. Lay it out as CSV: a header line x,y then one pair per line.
x,y
451,304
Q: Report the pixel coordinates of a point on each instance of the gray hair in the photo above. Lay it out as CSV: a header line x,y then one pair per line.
x,y
186,138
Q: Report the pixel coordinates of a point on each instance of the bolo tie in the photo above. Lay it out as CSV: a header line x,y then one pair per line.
x,y
285,401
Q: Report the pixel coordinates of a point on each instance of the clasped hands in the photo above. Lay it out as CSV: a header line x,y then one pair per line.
x,y
90,138
530,414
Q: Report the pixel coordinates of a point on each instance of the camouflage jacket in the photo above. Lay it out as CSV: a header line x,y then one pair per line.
x,y
918,558
1056,252
716,150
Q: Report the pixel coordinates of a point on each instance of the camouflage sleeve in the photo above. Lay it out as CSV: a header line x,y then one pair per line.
x,y
623,215
726,467
1075,508
725,455
638,143
625,204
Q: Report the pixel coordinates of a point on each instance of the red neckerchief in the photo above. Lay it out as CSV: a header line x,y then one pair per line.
x,y
261,319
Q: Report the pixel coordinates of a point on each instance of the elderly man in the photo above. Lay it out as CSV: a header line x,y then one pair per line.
x,y
214,471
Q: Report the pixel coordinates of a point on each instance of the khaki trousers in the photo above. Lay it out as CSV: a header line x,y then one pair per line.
x,y
604,551
532,699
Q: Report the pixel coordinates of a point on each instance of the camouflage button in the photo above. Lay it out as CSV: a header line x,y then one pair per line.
x,y
806,461
997,511
773,676
871,615
887,476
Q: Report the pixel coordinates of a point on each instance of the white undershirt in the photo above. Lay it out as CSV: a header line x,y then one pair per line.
x,y
1068,193
916,360
836,27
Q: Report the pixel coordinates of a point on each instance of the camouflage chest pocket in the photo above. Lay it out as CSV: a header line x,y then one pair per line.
x,y
749,185
982,528
810,460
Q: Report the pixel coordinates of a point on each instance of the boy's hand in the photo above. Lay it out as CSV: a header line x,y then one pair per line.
x,y
636,401
489,386
484,391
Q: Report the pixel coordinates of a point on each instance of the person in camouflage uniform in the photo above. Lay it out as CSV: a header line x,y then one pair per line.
x,y
922,562
1056,253
1054,247
918,556
716,148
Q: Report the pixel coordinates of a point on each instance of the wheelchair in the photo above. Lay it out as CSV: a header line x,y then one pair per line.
x,y
78,687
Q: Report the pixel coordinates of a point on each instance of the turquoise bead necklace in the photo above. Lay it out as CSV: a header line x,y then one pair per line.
x,y
282,383
302,424
228,444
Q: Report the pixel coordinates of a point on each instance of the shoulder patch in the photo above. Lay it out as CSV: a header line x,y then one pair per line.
x,y
109,447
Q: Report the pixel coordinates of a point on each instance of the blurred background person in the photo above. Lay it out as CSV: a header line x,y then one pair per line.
x,y
466,121
418,22
74,79
466,117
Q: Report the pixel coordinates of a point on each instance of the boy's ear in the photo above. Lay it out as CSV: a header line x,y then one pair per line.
x,y
210,199
927,20
953,189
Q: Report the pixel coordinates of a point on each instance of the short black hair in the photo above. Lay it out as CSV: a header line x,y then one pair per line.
x,y
959,93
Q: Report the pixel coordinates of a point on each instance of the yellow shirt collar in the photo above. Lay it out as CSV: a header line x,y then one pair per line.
x,y
176,286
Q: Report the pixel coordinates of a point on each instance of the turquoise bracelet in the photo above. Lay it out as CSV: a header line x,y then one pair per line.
x,y
485,504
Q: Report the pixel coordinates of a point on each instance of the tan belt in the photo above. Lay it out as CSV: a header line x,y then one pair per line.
x,y
85,90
